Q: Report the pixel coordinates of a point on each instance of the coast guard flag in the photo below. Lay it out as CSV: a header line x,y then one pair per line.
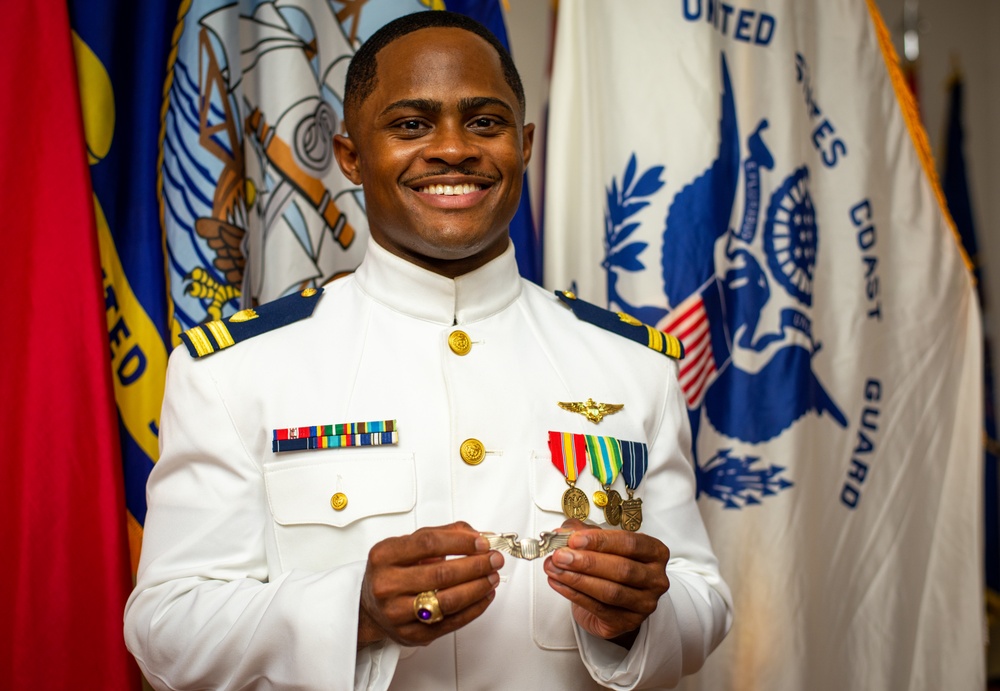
x,y
753,178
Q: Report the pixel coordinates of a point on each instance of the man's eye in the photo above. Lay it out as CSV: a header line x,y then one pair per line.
x,y
483,122
410,124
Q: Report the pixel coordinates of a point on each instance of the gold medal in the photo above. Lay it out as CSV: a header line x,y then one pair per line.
x,y
613,511
575,504
600,499
569,454
631,513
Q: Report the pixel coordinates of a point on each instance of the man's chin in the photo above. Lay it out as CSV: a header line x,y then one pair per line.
x,y
457,257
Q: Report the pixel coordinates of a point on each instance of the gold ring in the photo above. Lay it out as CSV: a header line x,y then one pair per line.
x,y
426,607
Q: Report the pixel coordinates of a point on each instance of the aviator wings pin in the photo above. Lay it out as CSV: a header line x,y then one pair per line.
x,y
594,412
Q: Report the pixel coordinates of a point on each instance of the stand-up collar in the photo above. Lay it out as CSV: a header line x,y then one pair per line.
x,y
423,294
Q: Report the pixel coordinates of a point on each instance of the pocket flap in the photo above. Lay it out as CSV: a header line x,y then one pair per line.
x,y
301,491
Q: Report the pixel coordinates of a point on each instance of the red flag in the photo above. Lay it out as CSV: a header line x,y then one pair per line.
x,y
65,574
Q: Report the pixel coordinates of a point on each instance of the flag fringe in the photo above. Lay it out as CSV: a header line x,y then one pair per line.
x,y
911,114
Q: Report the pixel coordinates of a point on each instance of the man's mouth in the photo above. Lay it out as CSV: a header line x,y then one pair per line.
x,y
449,190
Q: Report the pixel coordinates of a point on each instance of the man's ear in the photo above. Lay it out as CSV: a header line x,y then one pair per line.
x,y
347,157
527,141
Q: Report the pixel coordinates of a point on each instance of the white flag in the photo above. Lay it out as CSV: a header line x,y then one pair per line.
x,y
750,178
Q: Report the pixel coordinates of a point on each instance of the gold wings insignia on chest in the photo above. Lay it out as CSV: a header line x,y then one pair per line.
x,y
594,412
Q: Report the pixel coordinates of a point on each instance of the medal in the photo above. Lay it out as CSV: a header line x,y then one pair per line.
x,y
569,454
635,459
605,462
613,511
631,513
575,504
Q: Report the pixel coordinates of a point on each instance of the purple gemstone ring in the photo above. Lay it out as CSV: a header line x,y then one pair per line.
x,y
426,607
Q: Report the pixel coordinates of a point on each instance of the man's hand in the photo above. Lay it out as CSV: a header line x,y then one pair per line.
x,y
401,567
614,578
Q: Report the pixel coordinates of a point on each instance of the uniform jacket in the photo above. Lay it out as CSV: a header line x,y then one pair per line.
x,y
250,579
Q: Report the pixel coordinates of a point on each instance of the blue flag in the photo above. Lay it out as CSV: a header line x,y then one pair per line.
x,y
121,64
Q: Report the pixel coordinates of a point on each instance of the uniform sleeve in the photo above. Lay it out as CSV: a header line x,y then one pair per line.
x,y
695,614
203,613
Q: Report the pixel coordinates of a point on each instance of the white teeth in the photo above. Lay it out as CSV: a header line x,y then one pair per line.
x,y
449,190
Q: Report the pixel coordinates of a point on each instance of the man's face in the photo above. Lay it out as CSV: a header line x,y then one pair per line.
x,y
440,150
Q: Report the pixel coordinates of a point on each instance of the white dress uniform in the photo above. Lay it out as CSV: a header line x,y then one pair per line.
x,y
249,578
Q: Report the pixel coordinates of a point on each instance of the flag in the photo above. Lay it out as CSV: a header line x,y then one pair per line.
x,y
706,343
65,576
757,180
121,66
956,191
254,204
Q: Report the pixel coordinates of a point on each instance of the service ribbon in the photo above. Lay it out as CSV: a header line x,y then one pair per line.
x,y
605,458
569,453
370,433
635,459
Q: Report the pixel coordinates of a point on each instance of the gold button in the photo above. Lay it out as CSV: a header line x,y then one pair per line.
x,y
459,342
338,501
473,452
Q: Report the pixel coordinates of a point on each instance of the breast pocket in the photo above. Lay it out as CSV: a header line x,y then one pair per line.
x,y
330,509
552,625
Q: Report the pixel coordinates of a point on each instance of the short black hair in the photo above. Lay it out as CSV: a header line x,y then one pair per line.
x,y
362,74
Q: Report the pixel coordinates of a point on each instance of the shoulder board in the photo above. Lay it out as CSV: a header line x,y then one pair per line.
x,y
624,325
214,336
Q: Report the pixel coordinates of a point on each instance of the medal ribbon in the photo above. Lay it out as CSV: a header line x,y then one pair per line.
x,y
605,458
569,453
371,433
635,459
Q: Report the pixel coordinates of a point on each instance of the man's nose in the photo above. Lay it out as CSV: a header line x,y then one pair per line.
x,y
451,143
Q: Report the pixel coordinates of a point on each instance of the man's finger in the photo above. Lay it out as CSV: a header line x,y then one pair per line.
x,y
413,632
627,596
636,546
440,575
452,600
599,618
429,544
609,567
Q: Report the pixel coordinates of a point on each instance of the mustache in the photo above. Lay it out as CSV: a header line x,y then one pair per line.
x,y
453,170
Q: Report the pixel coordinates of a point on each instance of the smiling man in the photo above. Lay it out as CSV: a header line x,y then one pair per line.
x,y
352,500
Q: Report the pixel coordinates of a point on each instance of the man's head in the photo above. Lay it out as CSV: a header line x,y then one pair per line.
x,y
362,74
437,140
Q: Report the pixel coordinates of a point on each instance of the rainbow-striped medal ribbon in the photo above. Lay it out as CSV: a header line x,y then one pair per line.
x,y
372,433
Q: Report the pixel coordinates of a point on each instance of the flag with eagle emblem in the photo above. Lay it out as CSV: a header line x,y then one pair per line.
x,y
754,179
